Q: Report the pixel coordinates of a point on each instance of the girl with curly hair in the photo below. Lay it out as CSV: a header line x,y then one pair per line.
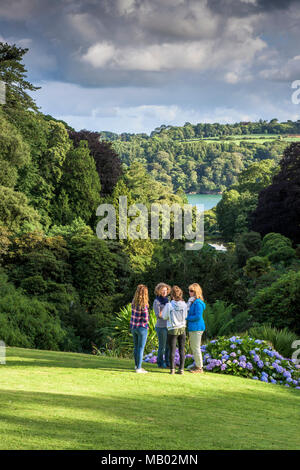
x,y
162,291
139,325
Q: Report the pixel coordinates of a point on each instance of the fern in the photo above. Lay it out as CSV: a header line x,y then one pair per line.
x,y
121,338
281,340
218,319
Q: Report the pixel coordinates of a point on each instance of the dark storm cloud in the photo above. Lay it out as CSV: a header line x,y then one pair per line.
x,y
142,42
244,7
140,62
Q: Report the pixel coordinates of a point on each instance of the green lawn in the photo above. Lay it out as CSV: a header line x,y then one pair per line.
x,y
54,400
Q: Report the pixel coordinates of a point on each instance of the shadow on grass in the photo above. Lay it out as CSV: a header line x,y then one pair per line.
x,y
143,421
59,359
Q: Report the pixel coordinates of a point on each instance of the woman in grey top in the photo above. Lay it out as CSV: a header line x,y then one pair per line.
x,y
162,291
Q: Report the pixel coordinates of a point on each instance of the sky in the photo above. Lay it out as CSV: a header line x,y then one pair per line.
x,y
133,65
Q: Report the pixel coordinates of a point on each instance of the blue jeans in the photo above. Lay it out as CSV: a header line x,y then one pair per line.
x,y
139,340
163,347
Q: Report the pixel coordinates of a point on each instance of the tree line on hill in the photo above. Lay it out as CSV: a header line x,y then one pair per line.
x,y
198,166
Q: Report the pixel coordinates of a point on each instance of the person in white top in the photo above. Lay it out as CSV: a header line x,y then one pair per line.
x,y
175,312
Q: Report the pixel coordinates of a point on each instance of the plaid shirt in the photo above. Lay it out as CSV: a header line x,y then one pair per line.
x,y
139,317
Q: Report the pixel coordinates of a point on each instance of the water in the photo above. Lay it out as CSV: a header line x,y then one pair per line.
x,y
209,200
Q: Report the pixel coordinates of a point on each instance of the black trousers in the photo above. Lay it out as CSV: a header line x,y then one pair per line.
x,y
172,341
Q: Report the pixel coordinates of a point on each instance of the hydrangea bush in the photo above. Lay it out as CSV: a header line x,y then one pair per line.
x,y
244,357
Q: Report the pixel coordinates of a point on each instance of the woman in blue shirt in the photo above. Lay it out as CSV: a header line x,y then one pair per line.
x,y
196,325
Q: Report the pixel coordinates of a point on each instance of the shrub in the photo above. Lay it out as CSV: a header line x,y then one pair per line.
x,y
119,336
252,358
26,321
257,266
277,248
281,340
218,319
278,304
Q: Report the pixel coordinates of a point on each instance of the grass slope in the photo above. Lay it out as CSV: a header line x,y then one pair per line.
x,y
249,138
55,400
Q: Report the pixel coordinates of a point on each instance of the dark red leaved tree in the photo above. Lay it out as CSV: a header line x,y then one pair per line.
x,y
278,208
108,163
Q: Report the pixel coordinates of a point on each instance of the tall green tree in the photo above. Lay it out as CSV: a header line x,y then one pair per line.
x,y
78,194
14,152
13,74
15,212
107,162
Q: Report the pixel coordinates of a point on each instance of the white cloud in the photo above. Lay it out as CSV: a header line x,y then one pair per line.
x,y
100,54
231,77
125,7
196,55
283,71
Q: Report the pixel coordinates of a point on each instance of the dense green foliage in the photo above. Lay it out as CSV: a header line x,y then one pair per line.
x,y
28,322
278,208
240,200
53,178
196,166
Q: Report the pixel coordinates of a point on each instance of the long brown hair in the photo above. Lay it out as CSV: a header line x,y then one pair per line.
x,y
141,298
176,293
197,290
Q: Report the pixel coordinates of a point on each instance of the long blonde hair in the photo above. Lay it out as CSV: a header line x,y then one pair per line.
x,y
141,298
197,290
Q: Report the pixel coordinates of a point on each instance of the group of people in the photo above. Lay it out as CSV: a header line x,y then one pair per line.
x,y
174,317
